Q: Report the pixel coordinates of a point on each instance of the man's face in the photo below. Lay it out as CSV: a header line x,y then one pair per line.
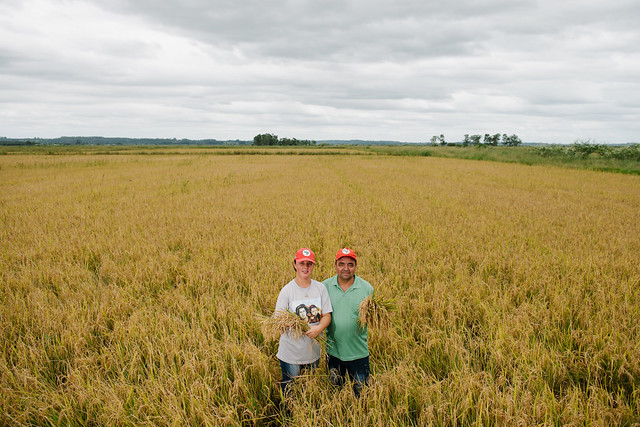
x,y
346,268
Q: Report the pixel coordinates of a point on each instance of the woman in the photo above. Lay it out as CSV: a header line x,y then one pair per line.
x,y
296,354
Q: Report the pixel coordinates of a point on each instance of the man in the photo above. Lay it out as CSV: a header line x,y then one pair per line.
x,y
347,348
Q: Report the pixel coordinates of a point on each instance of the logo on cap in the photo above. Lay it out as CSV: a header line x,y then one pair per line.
x,y
306,252
346,251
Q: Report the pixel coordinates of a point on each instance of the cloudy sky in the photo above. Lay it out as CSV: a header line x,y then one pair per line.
x,y
548,70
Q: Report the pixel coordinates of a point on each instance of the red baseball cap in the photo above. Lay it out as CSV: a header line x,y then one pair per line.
x,y
346,252
305,254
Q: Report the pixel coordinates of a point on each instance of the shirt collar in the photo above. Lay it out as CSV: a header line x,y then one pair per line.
x,y
356,282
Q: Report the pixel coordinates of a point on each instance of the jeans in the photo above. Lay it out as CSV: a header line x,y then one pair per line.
x,y
290,371
358,370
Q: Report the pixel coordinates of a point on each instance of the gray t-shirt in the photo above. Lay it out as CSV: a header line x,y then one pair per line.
x,y
309,303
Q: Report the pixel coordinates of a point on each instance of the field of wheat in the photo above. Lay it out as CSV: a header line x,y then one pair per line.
x,y
132,286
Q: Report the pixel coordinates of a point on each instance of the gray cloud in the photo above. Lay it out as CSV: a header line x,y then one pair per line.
x,y
334,69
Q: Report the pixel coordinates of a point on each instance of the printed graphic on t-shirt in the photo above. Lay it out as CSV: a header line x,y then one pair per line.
x,y
309,309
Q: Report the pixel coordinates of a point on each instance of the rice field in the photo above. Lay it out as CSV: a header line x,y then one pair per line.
x,y
132,288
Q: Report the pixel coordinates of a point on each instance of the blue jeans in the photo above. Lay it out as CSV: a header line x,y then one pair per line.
x,y
358,370
290,371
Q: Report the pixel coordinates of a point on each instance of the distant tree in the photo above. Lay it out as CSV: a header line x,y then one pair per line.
x,y
265,139
271,139
475,139
441,139
495,139
434,139
512,140
466,141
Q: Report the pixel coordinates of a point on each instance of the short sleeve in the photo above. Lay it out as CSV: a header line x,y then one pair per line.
x,y
282,303
326,301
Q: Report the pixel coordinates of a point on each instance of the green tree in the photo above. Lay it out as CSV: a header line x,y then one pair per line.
x,y
512,140
265,139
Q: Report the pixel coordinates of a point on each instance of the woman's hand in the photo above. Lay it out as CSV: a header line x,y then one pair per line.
x,y
314,331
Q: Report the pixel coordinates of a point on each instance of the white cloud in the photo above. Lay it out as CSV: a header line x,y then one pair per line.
x,y
320,70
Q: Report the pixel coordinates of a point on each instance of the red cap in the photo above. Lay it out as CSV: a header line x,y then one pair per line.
x,y
346,252
305,254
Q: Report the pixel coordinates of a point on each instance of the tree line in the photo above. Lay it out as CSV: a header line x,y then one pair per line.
x,y
100,140
271,139
495,139
586,149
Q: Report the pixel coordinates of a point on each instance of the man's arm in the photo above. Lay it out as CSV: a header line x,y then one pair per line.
x,y
314,331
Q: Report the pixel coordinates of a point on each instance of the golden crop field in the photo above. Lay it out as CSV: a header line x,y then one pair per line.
x,y
131,287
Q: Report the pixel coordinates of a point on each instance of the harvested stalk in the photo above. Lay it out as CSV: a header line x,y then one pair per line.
x,y
286,321
375,312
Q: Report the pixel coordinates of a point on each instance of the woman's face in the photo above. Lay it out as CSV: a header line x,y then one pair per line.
x,y
304,268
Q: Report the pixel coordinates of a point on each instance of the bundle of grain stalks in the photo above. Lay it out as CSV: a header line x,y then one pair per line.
x,y
286,321
375,312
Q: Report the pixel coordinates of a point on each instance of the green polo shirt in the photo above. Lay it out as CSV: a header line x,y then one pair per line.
x,y
346,339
